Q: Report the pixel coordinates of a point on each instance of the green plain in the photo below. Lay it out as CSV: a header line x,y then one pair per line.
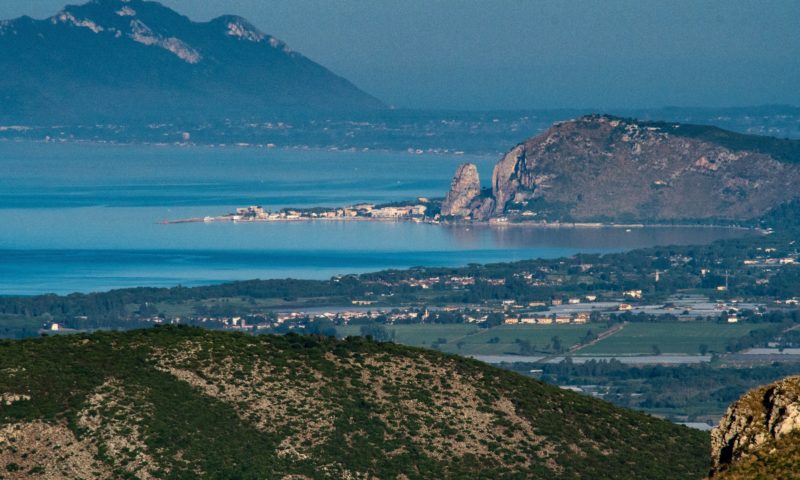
x,y
672,337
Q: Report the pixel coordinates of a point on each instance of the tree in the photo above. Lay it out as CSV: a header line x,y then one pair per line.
x,y
322,326
525,347
492,320
377,332
555,343
656,350
703,349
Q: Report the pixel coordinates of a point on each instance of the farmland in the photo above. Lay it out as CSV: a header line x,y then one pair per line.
x,y
646,338
672,337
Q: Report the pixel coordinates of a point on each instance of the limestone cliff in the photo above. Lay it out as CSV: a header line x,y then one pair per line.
x,y
466,185
607,168
759,436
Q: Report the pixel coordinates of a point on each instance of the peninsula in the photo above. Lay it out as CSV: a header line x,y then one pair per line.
x,y
600,170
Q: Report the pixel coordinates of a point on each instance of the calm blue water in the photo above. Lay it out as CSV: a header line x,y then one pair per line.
x,y
85,218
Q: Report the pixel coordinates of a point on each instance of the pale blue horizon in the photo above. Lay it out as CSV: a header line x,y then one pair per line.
x,y
458,54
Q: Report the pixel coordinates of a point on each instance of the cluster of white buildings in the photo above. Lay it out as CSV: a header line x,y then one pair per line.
x,y
577,318
364,210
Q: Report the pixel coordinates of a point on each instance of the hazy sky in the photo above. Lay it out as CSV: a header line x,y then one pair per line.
x,y
469,54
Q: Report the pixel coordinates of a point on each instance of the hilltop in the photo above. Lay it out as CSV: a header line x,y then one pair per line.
x,y
136,60
604,168
181,402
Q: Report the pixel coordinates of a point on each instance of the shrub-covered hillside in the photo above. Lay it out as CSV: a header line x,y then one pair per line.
x,y
187,403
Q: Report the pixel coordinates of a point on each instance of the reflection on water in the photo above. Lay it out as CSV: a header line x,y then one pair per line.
x,y
586,239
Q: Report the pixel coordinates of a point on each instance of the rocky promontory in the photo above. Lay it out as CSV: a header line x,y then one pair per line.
x,y
603,168
465,198
466,185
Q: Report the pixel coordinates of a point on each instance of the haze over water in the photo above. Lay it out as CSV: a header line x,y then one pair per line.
x,y
86,218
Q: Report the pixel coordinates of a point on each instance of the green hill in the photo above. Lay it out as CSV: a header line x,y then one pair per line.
x,y
183,402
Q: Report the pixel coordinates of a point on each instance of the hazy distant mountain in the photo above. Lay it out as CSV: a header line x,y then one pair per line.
x,y
120,60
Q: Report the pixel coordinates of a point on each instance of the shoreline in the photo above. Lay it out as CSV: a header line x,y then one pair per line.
x,y
490,223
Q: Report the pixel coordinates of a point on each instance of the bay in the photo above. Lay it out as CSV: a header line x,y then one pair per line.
x,y
87,217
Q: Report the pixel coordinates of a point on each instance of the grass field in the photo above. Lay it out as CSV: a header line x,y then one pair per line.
x,y
419,335
16,326
471,340
676,337
503,339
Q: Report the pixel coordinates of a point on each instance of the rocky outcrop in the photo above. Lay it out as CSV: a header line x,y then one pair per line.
x,y
755,427
607,168
505,180
465,187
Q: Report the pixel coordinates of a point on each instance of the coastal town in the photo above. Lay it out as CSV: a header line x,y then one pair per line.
x,y
415,211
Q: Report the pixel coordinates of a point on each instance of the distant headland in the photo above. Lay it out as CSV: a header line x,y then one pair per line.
x,y
597,171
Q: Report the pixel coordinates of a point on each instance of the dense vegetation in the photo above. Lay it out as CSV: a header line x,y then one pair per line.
x,y
182,402
785,150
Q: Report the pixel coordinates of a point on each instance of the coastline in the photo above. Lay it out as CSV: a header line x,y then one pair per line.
x,y
489,223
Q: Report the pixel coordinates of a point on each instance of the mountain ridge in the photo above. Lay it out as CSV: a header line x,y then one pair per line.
x,y
129,60
174,402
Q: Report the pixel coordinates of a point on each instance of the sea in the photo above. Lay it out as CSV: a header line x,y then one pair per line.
x,y
88,217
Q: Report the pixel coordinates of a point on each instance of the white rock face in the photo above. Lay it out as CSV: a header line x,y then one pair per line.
x,y
67,17
275,43
126,11
464,188
181,49
504,181
143,34
244,31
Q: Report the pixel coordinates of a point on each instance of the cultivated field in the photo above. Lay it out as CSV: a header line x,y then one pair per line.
x,y
471,340
673,337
